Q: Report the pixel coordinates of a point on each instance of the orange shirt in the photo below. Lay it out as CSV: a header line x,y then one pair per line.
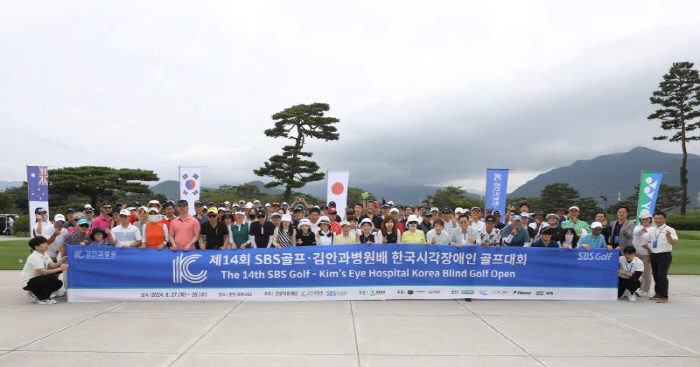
x,y
155,234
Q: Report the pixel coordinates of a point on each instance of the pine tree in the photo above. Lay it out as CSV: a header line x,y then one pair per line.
x,y
679,97
291,169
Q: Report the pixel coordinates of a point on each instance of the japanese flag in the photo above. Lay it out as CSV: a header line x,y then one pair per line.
x,y
338,190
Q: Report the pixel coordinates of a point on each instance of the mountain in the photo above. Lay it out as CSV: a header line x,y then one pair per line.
x,y
618,173
170,188
7,184
398,193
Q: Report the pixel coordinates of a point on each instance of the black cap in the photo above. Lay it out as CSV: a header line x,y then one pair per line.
x,y
261,213
427,213
496,212
106,203
135,204
546,231
446,210
228,213
211,203
70,210
168,203
39,210
331,204
324,206
198,202
399,207
538,212
298,208
490,218
182,202
386,206
119,201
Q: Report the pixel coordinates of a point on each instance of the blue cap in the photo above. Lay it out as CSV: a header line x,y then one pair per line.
x,y
83,221
517,217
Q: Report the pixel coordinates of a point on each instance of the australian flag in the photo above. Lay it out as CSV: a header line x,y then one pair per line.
x,y
38,183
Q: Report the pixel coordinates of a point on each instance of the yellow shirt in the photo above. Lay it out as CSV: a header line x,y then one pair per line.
x,y
416,237
342,240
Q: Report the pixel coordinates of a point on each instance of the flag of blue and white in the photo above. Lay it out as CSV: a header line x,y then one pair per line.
x,y
496,189
38,191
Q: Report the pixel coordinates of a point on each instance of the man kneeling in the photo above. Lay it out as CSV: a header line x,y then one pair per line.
x,y
631,268
40,273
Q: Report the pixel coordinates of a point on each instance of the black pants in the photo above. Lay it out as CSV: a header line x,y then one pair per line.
x,y
630,284
43,285
660,263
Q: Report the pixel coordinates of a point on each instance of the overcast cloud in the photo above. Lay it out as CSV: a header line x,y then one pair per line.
x,y
430,92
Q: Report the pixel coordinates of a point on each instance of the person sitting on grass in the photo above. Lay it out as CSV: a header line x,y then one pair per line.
x,y
40,274
631,268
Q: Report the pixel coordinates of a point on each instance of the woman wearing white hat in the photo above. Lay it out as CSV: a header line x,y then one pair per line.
x,y
367,234
305,237
324,236
412,234
285,234
640,241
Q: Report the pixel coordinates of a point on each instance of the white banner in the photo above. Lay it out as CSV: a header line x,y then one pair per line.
x,y
338,190
190,185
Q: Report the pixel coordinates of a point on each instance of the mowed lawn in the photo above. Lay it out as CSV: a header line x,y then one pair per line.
x,y
686,254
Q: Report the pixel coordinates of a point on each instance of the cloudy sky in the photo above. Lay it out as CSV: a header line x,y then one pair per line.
x,y
429,92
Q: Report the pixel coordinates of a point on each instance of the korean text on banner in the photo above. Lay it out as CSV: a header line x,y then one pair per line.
x,y
496,189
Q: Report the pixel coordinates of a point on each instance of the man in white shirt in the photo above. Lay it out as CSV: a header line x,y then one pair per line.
x,y
662,238
56,234
126,234
465,234
631,268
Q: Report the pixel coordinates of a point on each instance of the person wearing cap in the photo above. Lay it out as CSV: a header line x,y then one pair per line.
x,y
134,209
169,211
465,234
427,223
448,219
81,236
285,207
297,216
438,235
275,219
142,214
593,240
89,213
239,231
99,237
553,226
641,243
475,218
56,236
663,237
515,234
213,235
199,212
69,218
335,223
389,231
39,274
324,236
385,211
412,233
260,234
499,224
42,227
184,230
154,231
561,215
490,236
304,236
285,235
535,227
545,240
126,234
367,233
347,234
395,215
621,230
580,226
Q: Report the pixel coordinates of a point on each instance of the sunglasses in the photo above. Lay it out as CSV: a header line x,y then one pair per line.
x,y
106,207
85,225
211,215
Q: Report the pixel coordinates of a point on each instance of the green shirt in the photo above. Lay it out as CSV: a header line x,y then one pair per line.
x,y
239,235
578,226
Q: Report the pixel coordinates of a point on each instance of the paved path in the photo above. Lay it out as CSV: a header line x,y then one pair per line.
x,y
363,333
13,238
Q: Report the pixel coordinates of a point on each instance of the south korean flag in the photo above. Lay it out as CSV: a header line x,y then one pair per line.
x,y
190,185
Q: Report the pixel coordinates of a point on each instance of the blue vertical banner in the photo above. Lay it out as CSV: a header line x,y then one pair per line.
x,y
649,187
496,189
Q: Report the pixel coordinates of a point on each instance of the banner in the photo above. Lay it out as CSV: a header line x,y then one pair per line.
x,y
38,193
347,272
190,179
337,190
648,191
496,190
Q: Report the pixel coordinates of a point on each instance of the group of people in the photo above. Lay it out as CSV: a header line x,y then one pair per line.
x,y
646,246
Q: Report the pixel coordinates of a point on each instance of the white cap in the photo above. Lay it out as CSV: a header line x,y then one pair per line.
x,y
87,206
267,205
59,217
248,205
153,210
325,219
275,214
286,218
552,215
285,203
125,212
394,210
221,208
154,202
574,208
241,212
143,208
434,209
412,218
345,223
256,201
304,222
390,202
596,225
644,214
227,202
459,211
525,215
367,220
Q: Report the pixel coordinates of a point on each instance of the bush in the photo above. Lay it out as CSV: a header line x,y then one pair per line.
x,y
683,222
21,224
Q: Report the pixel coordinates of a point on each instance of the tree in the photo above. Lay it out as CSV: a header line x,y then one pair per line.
x,y
355,196
290,169
669,198
453,197
589,207
97,182
679,97
558,195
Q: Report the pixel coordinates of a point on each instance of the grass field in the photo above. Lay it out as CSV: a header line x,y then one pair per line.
x,y
686,254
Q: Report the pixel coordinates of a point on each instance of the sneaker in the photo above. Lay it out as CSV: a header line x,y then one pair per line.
x,y
46,301
632,298
31,296
60,293
641,293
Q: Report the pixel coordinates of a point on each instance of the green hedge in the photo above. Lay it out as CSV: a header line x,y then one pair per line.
x,y
681,222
